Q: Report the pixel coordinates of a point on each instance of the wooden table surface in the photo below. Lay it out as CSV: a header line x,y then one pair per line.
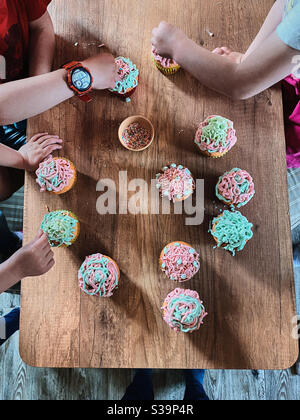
x,y
249,298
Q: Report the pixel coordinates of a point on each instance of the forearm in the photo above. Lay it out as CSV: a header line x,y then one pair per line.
x,y
270,63
210,69
26,98
10,158
42,46
9,275
272,21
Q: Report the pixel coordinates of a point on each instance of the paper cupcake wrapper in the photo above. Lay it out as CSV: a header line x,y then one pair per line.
x,y
166,70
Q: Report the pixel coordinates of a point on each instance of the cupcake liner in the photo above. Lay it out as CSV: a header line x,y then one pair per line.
x,y
167,71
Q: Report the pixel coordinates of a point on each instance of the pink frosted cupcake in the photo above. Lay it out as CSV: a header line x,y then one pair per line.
x,y
175,183
99,276
183,311
216,136
166,65
179,261
56,175
235,188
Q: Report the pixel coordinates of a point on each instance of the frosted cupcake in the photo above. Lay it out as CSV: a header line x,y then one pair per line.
x,y
62,228
56,175
179,261
175,183
129,75
216,136
183,311
99,276
235,188
231,230
166,65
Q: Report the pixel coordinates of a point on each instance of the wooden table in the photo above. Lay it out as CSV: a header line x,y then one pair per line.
x,y
250,298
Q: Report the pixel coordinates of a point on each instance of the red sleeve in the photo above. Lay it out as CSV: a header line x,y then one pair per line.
x,y
36,8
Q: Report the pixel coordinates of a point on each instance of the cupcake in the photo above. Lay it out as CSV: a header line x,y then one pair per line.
x,y
175,183
231,230
62,228
179,261
183,311
56,175
99,276
166,65
235,188
216,136
129,75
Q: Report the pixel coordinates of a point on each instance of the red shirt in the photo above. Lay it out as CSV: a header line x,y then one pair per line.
x,y
15,16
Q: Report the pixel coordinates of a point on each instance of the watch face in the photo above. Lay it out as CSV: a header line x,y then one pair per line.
x,y
81,79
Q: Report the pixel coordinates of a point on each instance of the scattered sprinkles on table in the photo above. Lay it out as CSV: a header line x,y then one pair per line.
x,y
231,230
179,261
235,188
175,183
136,137
99,276
183,311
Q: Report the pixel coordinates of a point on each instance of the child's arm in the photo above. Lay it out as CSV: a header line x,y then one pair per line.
x,y
272,21
26,98
268,64
38,148
34,259
42,45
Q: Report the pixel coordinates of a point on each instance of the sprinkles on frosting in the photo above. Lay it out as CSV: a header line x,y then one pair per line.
x,y
54,175
216,135
136,137
232,231
184,311
175,183
98,276
61,228
129,76
180,262
235,188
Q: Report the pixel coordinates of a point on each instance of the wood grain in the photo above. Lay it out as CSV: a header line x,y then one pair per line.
x,y
250,298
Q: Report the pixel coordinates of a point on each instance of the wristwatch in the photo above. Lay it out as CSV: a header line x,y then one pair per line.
x,y
79,80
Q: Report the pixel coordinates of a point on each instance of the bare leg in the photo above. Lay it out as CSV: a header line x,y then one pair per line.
x,y
11,180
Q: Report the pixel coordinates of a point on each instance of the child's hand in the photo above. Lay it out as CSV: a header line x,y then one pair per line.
x,y
236,57
34,259
38,148
166,38
104,71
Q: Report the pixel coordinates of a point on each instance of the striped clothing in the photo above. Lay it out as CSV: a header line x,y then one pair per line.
x,y
294,193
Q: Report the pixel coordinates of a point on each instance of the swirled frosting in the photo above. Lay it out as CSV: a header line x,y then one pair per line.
x,y
175,183
164,62
180,262
232,231
54,175
235,188
184,311
129,76
61,227
216,135
98,276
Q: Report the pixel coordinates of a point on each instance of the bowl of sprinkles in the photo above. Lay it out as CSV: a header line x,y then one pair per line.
x,y
136,133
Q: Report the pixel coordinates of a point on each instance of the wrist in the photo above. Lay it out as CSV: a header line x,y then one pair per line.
x,y
182,45
14,268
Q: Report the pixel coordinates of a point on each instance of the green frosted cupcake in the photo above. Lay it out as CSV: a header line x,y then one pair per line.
x,y
231,230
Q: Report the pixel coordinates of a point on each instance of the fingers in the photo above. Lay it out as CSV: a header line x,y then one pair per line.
x,y
36,137
42,242
39,235
50,141
50,149
50,265
41,140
